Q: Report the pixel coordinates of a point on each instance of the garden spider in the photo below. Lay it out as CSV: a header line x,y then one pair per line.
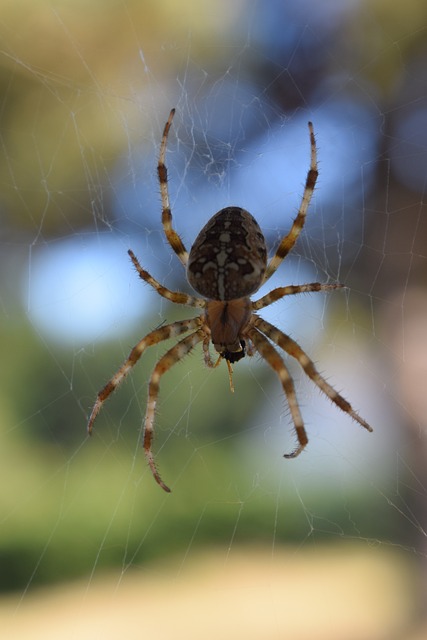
x,y
226,264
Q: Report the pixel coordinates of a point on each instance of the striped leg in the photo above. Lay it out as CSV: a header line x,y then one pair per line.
x,y
173,296
281,292
167,361
273,358
293,349
158,335
162,172
207,354
288,241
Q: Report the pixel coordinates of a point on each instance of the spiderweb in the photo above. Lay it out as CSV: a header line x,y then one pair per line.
x,y
247,543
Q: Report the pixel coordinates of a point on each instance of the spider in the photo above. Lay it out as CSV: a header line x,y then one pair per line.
x,y
226,265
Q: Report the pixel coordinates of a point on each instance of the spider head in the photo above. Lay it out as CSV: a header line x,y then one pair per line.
x,y
235,356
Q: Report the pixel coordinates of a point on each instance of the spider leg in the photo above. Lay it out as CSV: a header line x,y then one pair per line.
x,y
207,355
293,349
173,296
289,240
158,335
171,357
281,292
171,235
273,358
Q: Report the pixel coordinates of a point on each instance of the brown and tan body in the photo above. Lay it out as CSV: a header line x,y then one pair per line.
x,y
226,265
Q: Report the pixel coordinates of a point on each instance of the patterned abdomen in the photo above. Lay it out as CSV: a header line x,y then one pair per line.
x,y
229,257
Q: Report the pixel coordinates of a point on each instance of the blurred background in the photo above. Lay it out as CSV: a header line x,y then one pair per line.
x,y
330,545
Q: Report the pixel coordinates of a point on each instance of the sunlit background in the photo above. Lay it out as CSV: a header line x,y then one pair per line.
x,y
248,545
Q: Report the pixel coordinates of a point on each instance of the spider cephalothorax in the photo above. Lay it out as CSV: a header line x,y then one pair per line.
x,y
226,265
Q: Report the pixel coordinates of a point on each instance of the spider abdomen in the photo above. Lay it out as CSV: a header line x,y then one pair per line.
x,y
229,256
